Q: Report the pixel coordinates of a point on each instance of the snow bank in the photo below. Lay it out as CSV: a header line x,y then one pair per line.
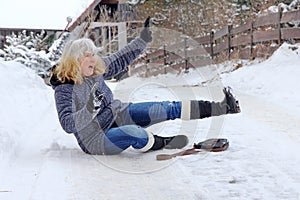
x,y
28,120
276,79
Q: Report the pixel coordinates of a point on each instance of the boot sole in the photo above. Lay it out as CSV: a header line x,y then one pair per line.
x,y
178,142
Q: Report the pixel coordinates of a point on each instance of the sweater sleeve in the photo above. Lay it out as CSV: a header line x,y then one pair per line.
x,y
71,121
120,60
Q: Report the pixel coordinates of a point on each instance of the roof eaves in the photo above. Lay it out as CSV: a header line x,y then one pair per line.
x,y
83,15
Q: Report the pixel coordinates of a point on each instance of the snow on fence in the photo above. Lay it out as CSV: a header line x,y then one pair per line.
x,y
258,38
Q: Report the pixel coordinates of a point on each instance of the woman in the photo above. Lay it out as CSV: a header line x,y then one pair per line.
x,y
103,125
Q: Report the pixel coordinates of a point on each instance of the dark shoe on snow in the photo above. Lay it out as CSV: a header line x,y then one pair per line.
x,y
232,103
174,142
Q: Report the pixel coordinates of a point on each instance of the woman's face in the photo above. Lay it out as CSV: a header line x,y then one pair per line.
x,y
87,64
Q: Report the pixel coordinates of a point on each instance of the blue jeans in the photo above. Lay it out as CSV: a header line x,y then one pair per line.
x,y
129,130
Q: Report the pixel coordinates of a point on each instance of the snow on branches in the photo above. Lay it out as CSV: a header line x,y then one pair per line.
x,y
33,50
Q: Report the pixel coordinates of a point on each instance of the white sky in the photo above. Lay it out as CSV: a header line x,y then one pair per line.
x,y
49,14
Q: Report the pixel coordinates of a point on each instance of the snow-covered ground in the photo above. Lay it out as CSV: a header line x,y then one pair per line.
x,y
40,161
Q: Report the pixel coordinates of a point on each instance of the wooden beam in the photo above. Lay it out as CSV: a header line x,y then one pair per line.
x,y
240,40
109,2
290,33
263,36
221,33
271,19
203,40
242,28
290,16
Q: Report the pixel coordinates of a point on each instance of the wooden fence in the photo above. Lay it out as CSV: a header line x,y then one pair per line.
x,y
259,38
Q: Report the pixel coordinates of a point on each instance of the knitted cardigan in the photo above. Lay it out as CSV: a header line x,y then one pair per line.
x,y
71,100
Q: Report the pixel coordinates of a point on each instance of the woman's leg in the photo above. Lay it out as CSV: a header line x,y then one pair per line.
x,y
149,113
120,138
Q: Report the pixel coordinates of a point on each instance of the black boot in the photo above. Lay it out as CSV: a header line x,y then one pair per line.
x,y
228,106
200,109
203,109
174,142
232,103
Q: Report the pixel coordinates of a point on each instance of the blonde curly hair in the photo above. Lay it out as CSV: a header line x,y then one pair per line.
x,y
69,69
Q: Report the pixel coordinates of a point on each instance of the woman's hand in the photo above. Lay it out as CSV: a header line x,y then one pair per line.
x,y
146,34
95,100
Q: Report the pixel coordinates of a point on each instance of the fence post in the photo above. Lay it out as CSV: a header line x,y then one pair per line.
x,y
251,40
229,40
165,55
212,44
147,61
5,37
185,55
280,10
165,59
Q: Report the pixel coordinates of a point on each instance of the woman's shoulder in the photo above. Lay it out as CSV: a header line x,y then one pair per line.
x,y
55,82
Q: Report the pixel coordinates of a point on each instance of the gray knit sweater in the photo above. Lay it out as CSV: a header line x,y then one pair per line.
x,y
71,101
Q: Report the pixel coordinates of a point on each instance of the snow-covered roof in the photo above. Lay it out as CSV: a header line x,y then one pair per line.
x,y
40,14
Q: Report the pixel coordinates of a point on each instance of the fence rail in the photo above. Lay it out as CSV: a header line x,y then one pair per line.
x,y
258,38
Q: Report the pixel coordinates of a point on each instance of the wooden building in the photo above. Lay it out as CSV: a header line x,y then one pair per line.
x,y
110,23
101,21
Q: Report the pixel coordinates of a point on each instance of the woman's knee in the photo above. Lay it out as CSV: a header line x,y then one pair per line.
x,y
134,131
